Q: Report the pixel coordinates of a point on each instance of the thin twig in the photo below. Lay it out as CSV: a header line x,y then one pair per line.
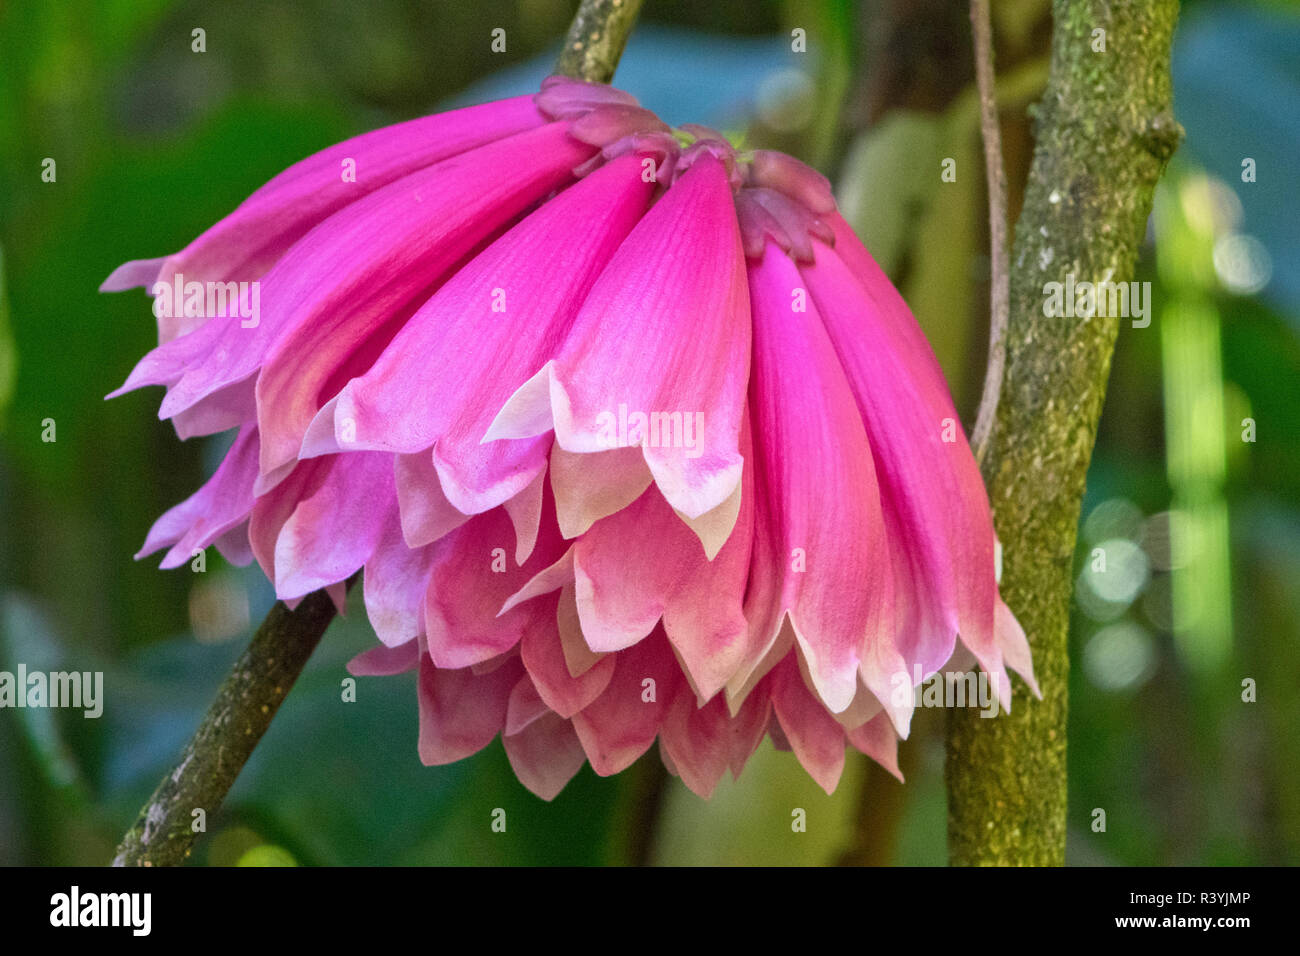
x,y
1000,293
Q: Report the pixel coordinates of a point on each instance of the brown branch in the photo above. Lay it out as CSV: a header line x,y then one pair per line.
x,y
246,702
596,39
1104,133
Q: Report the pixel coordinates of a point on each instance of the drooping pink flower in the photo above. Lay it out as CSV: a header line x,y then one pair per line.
x,y
629,436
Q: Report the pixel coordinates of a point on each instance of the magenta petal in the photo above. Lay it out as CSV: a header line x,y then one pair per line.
x,y
543,656
622,723
813,734
473,575
426,513
524,707
335,529
235,547
227,408
811,449
876,739
698,741
396,578
664,333
460,711
274,507
245,244
384,661
545,755
927,472
626,568
223,503
802,183
137,272
340,295
491,326
748,727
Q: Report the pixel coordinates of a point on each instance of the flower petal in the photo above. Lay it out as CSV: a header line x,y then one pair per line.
x,y
460,711
545,755
664,334
621,724
245,244
811,449
340,296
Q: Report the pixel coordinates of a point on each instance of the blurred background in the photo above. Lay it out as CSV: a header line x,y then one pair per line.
x,y
1193,496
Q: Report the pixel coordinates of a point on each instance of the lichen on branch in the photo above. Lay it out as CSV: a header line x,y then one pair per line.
x,y
1104,133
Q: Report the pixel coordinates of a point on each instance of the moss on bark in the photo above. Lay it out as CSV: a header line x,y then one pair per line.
x,y
596,39
1104,132
245,704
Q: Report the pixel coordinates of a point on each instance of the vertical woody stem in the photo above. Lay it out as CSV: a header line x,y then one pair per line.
x,y
1104,133
596,39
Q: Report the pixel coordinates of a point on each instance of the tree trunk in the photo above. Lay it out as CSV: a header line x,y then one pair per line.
x,y
1104,132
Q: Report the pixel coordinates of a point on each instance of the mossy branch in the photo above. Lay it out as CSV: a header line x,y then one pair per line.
x,y
1104,132
596,39
245,704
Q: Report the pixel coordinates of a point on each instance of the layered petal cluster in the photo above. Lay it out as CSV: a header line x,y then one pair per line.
x,y
631,439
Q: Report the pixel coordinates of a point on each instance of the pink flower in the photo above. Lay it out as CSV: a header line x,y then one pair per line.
x,y
633,440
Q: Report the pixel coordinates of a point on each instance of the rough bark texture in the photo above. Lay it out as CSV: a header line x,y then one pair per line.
x,y
245,704
1105,130
596,39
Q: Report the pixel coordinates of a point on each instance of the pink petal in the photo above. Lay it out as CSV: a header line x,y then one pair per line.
x,y
472,578
698,741
812,450
524,707
335,529
245,244
876,739
460,712
396,578
426,513
341,295
933,485
815,737
621,724
545,755
590,487
543,655
538,273
385,661
664,332
223,503
748,727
